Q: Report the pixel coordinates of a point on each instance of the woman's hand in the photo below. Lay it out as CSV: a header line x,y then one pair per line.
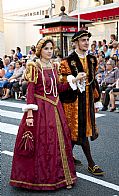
x,y
29,121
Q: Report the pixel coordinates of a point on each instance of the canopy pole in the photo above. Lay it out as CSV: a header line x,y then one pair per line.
x,y
78,15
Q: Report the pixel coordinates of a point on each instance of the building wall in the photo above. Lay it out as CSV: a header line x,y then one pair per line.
x,y
2,48
1,17
100,30
59,3
32,34
23,33
14,36
20,30
71,5
20,34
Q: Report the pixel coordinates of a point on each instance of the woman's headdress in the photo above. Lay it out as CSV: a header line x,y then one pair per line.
x,y
41,43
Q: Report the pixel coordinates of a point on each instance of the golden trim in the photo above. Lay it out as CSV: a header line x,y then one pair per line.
x,y
88,118
71,112
47,99
81,35
27,183
61,139
62,149
31,73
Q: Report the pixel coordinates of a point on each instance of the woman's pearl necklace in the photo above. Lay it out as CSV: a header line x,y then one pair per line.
x,y
48,64
53,85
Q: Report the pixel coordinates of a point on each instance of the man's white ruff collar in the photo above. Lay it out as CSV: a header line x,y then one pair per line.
x,y
81,55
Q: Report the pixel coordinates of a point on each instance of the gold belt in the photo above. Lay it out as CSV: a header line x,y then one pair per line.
x,y
47,99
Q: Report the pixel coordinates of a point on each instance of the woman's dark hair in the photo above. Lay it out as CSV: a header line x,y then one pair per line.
x,y
5,56
33,49
107,58
113,35
104,41
93,45
103,54
106,46
1,64
99,43
20,63
19,49
13,51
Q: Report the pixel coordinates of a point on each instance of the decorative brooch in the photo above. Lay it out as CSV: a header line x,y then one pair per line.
x,y
92,60
73,63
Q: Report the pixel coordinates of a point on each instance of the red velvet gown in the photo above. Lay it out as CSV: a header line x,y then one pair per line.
x,y
45,162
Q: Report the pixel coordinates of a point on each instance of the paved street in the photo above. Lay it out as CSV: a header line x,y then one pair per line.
x,y
105,152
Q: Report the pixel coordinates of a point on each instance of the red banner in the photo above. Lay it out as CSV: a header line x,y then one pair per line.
x,y
102,15
59,29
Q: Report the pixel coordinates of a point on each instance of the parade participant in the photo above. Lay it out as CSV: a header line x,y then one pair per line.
x,y
114,92
2,71
108,83
79,105
43,157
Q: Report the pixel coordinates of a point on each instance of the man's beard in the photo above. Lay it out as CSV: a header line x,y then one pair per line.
x,y
83,50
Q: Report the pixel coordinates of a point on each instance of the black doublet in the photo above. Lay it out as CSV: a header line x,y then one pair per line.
x,y
92,63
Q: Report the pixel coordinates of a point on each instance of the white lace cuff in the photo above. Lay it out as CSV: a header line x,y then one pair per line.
x,y
81,86
72,85
27,107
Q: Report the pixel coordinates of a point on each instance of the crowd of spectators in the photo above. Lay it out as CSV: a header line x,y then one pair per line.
x,y
12,69
107,55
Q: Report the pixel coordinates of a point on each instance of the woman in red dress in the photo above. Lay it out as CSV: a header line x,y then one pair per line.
x,y
43,157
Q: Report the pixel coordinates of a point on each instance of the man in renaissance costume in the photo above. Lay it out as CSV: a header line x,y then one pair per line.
x,y
79,104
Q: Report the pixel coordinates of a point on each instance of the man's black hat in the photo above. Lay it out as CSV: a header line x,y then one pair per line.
x,y
79,34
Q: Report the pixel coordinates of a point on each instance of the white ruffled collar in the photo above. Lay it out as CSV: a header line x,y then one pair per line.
x,y
81,55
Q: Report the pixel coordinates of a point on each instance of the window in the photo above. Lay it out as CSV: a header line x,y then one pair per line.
x,y
42,12
108,1
27,49
46,12
110,17
104,18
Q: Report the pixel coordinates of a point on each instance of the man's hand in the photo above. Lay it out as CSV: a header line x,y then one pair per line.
x,y
81,76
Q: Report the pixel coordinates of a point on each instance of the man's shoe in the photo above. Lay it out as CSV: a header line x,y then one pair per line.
x,y
69,187
77,162
112,109
4,98
95,170
104,108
